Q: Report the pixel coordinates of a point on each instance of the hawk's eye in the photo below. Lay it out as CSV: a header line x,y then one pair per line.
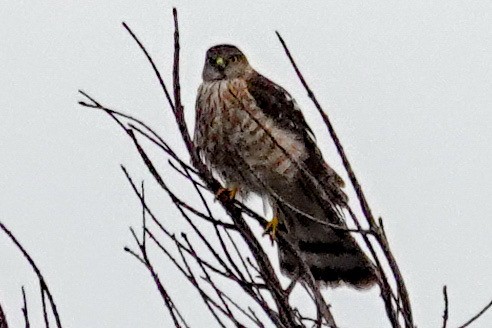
x,y
220,62
234,58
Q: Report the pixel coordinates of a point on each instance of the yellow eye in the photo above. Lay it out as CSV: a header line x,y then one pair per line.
x,y
219,61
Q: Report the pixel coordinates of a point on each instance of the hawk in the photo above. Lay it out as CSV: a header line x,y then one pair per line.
x,y
252,134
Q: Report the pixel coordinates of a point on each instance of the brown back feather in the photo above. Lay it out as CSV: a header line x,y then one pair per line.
x,y
278,104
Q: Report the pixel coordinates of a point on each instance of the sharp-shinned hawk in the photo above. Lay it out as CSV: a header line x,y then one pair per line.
x,y
253,135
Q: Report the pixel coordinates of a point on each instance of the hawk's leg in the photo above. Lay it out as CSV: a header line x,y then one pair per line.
x,y
272,227
227,194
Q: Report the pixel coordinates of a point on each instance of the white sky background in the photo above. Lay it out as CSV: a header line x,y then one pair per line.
x,y
407,85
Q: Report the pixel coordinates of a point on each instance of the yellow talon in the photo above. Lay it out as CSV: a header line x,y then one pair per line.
x,y
226,194
271,228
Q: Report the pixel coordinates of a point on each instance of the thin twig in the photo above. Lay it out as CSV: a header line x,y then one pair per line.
x,y
478,315
154,66
360,195
162,290
144,220
211,304
45,311
35,268
248,315
445,315
3,319
208,279
24,309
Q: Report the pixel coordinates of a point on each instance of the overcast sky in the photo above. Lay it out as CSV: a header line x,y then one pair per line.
x,y
406,83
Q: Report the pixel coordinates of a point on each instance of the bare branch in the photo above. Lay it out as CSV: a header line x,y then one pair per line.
x,y
445,315
25,311
36,270
45,311
173,311
478,315
382,241
3,319
154,67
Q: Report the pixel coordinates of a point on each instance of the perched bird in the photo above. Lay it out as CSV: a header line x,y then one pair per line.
x,y
252,134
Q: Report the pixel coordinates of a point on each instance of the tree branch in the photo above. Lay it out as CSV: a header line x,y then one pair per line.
x,y
478,315
445,315
3,319
381,238
42,281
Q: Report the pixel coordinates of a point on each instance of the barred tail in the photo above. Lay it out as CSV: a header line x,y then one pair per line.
x,y
333,256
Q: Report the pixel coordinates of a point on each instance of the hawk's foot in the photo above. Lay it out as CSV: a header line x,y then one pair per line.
x,y
226,194
271,228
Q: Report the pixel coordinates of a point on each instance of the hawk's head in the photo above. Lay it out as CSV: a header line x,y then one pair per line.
x,y
224,62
